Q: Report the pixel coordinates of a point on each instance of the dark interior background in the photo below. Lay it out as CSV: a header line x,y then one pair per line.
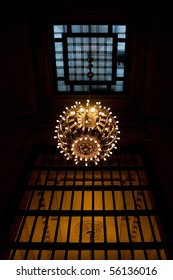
x,y
29,106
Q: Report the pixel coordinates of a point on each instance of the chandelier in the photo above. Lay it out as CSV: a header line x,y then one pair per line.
x,y
87,133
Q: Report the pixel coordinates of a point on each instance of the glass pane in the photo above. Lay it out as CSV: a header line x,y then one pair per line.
x,y
63,229
121,47
103,28
38,201
87,200
77,200
59,254
134,178
61,85
58,29
121,36
107,178
99,255
116,178
58,56
59,65
79,178
86,255
88,178
139,199
38,230
19,255
33,255
152,255
81,88
79,28
98,201
120,72
74,234
70,178
46,254
60,178
59,47
98,229
97,178
56,200
136,234
118,86
87,229
119,205
108,200
110,229
45,200
112,254
155,222
122,226
50,228
125,178
126,255
146,229
163,255
139,254
129,200
51,178
119,29
60,73
27,229
66,200
72,255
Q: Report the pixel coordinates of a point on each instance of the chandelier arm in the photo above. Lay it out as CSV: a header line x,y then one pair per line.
x,y
61,140
109,143
110,133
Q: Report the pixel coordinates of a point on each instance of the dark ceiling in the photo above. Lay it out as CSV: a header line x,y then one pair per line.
x,y
28,104
27,63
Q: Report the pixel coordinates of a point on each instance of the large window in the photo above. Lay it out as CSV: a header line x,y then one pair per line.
x,y
94,212
106,44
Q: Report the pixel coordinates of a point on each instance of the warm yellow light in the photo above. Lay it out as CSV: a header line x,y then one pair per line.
x,y
87,133
92,109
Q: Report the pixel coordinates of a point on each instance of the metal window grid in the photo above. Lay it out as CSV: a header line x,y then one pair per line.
x,y
93,212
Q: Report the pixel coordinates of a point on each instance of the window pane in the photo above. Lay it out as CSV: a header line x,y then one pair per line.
x,y
67,200
110,229
108,200
82,205
77,200
87,200
62,230
123,232
98,202
73,49
27,229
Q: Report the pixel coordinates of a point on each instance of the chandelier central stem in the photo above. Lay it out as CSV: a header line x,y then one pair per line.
x,y
90,73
